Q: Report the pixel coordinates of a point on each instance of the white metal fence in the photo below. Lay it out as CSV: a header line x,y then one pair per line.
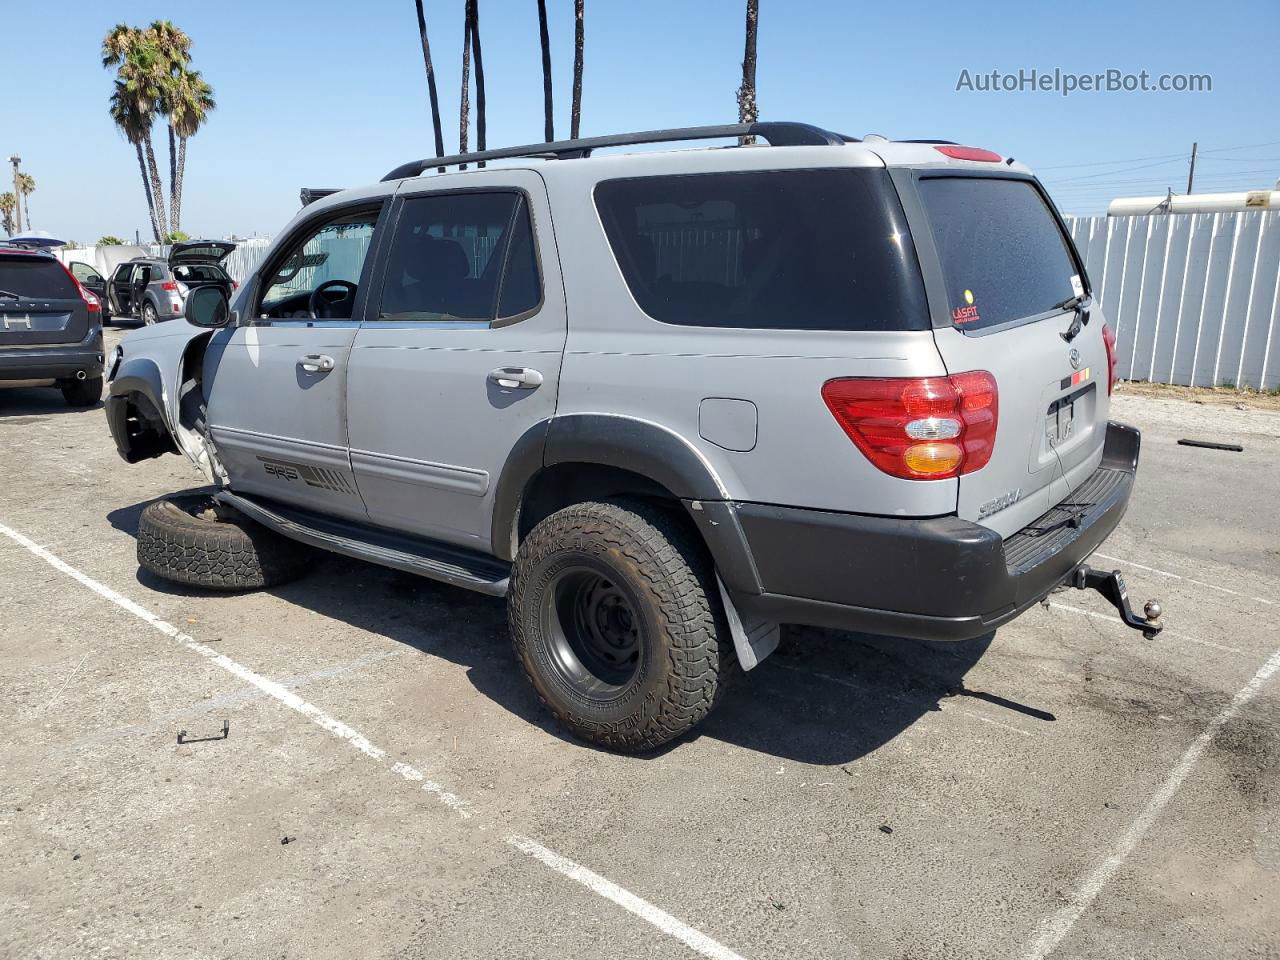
x,y
1192,297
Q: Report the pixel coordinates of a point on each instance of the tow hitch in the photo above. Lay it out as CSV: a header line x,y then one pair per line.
x,y
1111,585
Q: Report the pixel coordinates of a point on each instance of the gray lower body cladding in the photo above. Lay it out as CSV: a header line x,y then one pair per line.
x,y
940,578
54,362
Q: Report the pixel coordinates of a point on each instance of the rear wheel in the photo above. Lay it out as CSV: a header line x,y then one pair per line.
x,y
191,538
81,393
149,315
615,620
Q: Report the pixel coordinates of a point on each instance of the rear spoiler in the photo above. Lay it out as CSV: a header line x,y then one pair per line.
x,y
309,195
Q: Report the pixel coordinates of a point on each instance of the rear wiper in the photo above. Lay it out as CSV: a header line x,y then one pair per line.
x,y
1080,305
10,293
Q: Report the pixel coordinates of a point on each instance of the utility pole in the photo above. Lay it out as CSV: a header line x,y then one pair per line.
x,y
1191,174
17,194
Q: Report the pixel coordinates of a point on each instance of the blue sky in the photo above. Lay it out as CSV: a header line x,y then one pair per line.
x,y
330,92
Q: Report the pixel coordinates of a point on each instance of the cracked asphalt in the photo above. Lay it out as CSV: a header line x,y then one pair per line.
x,y
854,796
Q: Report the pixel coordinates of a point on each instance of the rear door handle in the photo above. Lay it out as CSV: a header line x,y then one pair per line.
x,y
513,377
316,363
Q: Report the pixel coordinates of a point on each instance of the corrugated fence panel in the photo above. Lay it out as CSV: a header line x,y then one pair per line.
x,y
1194,299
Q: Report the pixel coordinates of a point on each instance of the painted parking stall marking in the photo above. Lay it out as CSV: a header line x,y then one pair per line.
x,y
603,887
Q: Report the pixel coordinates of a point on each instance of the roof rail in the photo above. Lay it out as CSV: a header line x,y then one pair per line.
x,y
777,134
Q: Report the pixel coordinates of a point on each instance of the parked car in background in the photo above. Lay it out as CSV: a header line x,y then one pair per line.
x,y
151,289
50,326
95,282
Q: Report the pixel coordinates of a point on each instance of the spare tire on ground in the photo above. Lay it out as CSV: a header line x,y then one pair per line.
x,y
190,538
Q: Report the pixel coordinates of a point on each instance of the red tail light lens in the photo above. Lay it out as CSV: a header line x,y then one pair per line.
x,y
91,301
968,153
169,285
923,428
1109,338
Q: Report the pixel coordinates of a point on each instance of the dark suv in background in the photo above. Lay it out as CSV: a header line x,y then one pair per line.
x,y
152,289
50,326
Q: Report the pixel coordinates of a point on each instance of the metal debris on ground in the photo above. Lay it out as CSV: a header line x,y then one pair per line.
x,y
1211,445
223,735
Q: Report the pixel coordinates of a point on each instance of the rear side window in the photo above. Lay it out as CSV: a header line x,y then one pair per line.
x,y
461,257
1003,255
774,250
35,278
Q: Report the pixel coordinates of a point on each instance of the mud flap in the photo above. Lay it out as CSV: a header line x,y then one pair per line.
x,y
752,639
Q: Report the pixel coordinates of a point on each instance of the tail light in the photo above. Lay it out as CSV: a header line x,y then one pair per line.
x,y
234,286
1109,338
169,285
91,301
921,428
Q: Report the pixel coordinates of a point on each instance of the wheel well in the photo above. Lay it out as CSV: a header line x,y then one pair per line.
x,y
556,487
144,427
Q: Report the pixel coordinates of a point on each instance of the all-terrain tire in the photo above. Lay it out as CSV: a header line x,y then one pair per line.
x,y
191,539
81,393
685,654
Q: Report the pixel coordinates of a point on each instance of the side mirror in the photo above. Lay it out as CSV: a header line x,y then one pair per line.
x,y
207,307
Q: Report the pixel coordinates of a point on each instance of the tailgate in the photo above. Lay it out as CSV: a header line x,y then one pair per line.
x,y
1007,268
39,302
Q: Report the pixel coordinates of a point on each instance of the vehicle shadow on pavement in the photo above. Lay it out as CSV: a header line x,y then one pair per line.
x,y
824,697
23,404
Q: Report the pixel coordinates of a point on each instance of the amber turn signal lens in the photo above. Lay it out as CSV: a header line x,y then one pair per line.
x,y
931,458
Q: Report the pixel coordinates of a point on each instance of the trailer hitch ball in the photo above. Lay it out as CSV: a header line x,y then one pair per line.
x,y
1112,587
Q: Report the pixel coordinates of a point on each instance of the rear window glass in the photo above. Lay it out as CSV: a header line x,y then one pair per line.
x,y
36,278
775,250
1003,255
197,272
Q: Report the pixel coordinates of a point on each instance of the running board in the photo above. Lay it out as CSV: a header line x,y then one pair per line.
x,y
426,558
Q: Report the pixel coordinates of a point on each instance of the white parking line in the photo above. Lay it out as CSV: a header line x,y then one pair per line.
x,y
1178,576
1054,928
606,888
691,938
1166,633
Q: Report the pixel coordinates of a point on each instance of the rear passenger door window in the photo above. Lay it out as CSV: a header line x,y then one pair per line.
x,y
461,258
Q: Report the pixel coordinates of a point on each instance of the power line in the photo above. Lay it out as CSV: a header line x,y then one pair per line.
x,y
1163,156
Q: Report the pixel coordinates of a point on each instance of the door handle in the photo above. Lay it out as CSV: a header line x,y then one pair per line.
x,y
316,363
513,377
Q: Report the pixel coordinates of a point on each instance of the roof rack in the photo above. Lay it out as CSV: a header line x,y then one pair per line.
x,y
777,134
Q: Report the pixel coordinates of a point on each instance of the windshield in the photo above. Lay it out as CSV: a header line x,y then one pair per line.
x,y
1003,255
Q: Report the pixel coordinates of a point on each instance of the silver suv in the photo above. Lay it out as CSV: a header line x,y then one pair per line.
x,y
663,402
151,289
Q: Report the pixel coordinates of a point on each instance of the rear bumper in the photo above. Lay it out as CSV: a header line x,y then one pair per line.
x,y
55,362
941,578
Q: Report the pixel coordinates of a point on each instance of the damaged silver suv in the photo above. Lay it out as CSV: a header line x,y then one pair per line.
x,y
661,402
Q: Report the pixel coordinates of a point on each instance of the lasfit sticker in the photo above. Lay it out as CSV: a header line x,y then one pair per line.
x,y
966,314
1076,286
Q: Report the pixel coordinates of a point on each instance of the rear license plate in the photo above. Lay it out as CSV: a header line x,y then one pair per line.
x,y
1059,422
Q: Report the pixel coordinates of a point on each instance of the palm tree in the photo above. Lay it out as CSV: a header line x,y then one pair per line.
x,y
137,95
464,98
575,115
431,80
133,120
190,100
26,187
474,6
173,49
748,109
548,102
8,203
